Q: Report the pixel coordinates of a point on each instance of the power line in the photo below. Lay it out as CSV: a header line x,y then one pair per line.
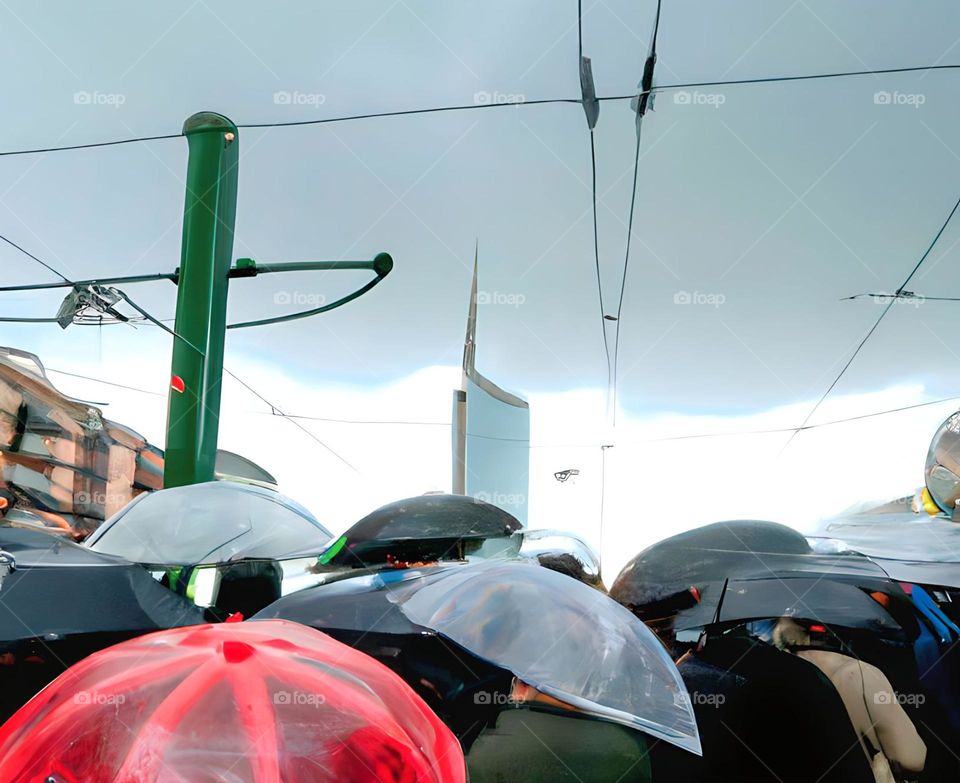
x,y
239,380
496,105
42,263
105,383
809,77
369,421
876,323
596,256
646,85
91,145
592,110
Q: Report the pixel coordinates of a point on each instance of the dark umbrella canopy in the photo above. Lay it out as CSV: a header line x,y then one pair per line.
x,y
423,528
818,600
59,602
738,571
728,550
360,603
712,552
58,589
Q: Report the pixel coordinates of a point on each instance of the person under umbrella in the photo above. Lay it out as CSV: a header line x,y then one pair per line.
x,y
246,702
887,735
585,691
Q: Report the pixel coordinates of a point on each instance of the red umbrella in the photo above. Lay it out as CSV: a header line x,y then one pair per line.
x,y
266,701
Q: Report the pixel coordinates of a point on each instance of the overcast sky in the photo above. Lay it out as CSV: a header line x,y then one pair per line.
x,y
765,204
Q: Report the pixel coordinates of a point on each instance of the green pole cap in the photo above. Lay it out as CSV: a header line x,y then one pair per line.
x,y
382,264
204,121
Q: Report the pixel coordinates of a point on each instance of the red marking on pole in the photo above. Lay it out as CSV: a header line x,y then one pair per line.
x,y
176,383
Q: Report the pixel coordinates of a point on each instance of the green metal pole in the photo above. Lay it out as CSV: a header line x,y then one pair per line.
x,y
206,252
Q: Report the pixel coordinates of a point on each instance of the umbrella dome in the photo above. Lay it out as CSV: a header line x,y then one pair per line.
x,y
426,527
209,523
561,636
254,702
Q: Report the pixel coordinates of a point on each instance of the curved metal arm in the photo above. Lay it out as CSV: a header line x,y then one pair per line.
x,y
382,265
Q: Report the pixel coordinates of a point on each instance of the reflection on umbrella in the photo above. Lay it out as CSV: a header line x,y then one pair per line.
x,y
424,529
555,634
562,552
910,547
60,601
257,702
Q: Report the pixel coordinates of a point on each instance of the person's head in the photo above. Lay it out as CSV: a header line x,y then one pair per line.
x,y
789,633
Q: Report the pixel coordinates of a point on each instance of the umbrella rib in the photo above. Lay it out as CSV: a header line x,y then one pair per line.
x,y
144,752
256,709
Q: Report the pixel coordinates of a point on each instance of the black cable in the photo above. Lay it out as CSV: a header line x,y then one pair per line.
x,y
873,328
469,106
810,77
407,113
369,421
91,145
247,386
42,263
579,33
105,383
648,74
596,258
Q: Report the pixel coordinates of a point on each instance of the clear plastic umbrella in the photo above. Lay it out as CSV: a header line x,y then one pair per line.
x,y
562,637
214,522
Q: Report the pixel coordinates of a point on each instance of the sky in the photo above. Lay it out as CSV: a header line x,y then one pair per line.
x,y
758,208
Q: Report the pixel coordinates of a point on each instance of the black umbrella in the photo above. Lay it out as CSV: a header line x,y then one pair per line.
x,y
817,600
743,570
425,528
60,601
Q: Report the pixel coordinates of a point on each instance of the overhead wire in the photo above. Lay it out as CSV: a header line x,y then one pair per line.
x,y
876,324
494,105
273,407
641,107
593,195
